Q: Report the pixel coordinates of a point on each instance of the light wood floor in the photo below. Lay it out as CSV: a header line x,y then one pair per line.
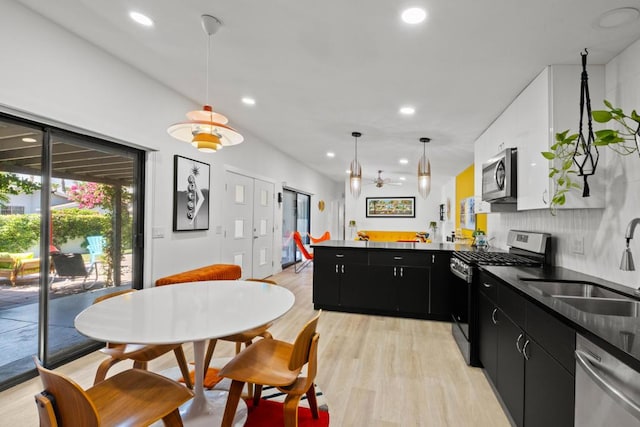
x,y
373,370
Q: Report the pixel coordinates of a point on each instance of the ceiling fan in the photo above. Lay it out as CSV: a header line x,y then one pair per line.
x,y
380,182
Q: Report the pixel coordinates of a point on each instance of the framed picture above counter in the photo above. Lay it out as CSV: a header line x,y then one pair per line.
x,y
391,207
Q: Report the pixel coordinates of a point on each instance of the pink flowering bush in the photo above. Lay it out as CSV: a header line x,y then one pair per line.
x,y
87,194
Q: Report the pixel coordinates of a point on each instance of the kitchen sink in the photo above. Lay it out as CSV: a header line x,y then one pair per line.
x,y
573,289
604,306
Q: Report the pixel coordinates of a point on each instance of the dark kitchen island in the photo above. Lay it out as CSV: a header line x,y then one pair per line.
x,y
386,278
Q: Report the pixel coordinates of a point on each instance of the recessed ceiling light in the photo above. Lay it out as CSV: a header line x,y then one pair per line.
x,y
331,154
404,161
402,178
414,15
618,17
141,19
29,140
248,101
407,111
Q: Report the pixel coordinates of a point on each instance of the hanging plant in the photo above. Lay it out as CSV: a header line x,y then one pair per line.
x,y
624,141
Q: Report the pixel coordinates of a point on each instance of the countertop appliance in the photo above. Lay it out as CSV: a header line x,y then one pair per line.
x,y
500,178
607,391
526,249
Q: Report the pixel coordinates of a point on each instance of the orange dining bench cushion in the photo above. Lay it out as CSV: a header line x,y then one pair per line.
x,y
209,272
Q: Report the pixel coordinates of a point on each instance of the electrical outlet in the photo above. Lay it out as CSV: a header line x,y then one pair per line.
x,y
577,245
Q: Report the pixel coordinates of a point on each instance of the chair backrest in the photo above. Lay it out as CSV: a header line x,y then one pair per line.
x,y
302,344
95,244
325,236
73,406
298,239
69,265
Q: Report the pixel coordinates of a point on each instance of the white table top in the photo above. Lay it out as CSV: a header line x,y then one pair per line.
x,y
184,312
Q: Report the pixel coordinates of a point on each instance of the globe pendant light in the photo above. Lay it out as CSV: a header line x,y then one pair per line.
x,y
355,174
424,171
205,129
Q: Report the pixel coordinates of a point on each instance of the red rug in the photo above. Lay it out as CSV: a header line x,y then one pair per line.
x,y
270,414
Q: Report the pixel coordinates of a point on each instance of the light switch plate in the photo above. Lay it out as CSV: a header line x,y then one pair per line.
x,y
157,233
577,245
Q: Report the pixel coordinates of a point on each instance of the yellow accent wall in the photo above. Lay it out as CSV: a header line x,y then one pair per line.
x,y
465,188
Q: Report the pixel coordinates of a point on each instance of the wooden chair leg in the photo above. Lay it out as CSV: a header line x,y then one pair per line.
x,y
238,347
313,402
209,354
173,419
257,394
291,410
182,364
101,373
232,403
46,412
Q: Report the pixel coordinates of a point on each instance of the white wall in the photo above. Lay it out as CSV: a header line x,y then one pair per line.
x,y
603,230
51,73
427,210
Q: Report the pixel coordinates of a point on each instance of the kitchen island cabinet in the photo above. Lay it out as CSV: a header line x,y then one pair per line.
x,y
395,279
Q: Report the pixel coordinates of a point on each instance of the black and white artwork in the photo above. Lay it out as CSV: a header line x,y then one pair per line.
x,y
190,195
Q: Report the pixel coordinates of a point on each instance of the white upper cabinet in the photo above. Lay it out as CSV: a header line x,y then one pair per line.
x,y
551,104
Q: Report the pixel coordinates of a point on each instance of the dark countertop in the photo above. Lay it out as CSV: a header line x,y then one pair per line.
x,y
359,244
617,334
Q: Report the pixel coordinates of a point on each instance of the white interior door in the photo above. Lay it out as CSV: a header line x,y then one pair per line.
x,y
238,247
249,225
263,228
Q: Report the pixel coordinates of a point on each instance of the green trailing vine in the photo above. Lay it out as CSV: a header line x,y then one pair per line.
x,y
623,141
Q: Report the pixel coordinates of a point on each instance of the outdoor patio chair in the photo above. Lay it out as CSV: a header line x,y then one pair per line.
x,y
95,247
70,266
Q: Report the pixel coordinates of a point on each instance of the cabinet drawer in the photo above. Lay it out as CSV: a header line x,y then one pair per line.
x,y
341,256
488,286
552,334
512,304
417,259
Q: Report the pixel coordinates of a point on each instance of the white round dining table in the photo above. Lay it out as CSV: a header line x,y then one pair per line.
x,y
185,312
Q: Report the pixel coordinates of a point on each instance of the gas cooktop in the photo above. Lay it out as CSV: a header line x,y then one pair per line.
x,y
496,258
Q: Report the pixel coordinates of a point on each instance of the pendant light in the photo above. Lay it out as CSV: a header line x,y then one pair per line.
x,y
205,129
424,171
355,174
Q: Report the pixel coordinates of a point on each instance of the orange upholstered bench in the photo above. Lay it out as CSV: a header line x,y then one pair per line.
x,y
209,272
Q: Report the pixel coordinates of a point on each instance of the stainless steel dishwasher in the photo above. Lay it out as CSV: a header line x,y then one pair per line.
x,y
607,390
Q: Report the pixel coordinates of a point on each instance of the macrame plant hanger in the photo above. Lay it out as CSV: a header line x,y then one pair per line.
x,y
586,154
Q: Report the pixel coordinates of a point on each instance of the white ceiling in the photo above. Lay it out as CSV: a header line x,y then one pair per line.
x,y
322,69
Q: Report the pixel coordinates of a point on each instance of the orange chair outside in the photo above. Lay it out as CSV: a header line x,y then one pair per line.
x,y
325,236
307,256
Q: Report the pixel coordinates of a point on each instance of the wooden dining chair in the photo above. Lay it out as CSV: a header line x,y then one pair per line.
x,y
141,354
308,257
133,398
276,363
245,337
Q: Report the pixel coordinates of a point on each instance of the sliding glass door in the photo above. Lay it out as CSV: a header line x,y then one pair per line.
x,y
71,213
295,217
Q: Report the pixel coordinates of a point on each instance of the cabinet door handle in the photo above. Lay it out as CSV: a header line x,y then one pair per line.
x,y
394,271
339,256
401,271
336,268
487,285
524,350
342,269
398,257
493,316
433,258
518,342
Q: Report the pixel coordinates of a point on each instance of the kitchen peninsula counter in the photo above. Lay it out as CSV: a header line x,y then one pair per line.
x,y
401,279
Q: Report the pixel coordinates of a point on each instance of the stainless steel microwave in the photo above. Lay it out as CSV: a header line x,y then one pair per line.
x,y
500,176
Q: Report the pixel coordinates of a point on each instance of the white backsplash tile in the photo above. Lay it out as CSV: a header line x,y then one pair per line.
x,y
603,230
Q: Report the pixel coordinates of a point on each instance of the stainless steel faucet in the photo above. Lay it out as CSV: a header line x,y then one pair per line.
x,y
626,263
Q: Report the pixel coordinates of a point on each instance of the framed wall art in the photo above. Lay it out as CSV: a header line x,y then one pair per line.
x,y
467,214
190,194
391,207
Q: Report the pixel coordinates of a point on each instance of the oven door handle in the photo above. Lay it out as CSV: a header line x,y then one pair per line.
x,y
590,366
461,275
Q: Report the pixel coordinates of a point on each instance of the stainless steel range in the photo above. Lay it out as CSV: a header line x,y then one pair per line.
x,y
526,249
